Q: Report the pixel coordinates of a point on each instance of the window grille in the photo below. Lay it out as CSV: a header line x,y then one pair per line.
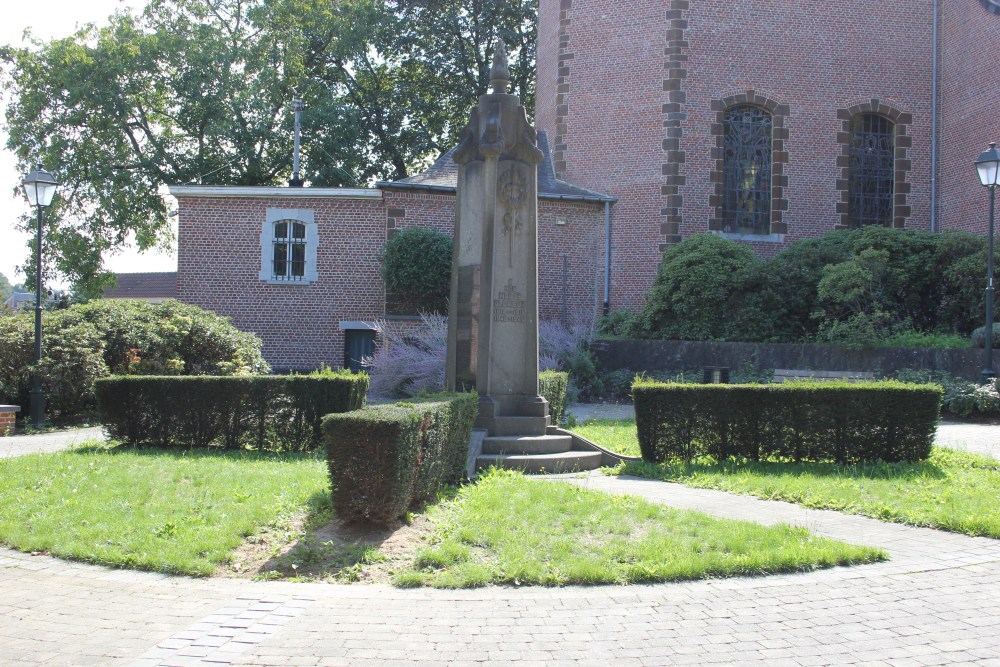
x,y
747,170
289,247
872,170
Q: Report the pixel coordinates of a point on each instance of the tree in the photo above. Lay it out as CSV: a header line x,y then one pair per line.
x,y
6,289
199,91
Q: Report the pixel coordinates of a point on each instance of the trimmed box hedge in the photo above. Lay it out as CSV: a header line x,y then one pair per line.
x,y
552,386
800,421
385,458
279,413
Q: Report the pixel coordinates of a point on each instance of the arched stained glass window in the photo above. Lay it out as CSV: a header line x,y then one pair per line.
x,y
872,170
747,170
289,250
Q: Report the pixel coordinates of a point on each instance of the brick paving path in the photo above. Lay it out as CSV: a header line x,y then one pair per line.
x,y
936,602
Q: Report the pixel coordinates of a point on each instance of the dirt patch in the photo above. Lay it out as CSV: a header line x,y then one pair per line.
x,y
335,552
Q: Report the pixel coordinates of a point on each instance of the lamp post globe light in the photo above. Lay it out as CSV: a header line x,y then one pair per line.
x,y
988,166
39,187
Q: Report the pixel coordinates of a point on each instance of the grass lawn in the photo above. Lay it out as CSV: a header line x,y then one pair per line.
x,y
170,511
506,529
952,490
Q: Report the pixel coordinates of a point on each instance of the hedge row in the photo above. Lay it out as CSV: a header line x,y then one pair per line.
x,y
384,458
552,386
279,413
802,421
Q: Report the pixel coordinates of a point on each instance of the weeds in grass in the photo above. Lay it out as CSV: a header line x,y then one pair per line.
x,y
952,490
173,511
507,529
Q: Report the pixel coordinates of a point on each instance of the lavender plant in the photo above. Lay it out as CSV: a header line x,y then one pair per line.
x,y
408,360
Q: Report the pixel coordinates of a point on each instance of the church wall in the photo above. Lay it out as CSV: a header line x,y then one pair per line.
x,y
970,109
640,87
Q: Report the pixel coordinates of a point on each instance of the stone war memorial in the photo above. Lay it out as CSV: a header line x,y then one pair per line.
x,y
493,322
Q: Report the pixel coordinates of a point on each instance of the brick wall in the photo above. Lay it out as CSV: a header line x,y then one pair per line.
x,y
8,415
633,107
970,109
218,257
219,260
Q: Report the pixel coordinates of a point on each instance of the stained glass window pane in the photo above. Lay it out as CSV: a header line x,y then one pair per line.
x,y
747,170
872,171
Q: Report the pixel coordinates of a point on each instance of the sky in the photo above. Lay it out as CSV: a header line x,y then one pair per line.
x,y
60,19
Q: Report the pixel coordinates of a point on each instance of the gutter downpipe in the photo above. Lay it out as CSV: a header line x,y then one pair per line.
x,y
607,256
934,119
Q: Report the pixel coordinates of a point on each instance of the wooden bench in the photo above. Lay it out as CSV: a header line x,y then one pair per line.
x,y
785,374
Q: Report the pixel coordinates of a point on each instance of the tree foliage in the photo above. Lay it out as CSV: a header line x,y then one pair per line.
x,y
199,91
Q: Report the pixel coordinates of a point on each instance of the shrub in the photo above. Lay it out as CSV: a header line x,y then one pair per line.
x,y
171,338
88,341
416,264
262,412
71,363
384,458
979,336
961,397
552,386
803,421
696,280
623,323
408,361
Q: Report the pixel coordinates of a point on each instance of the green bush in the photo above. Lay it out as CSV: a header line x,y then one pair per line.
x,y
125,337
385,458
71,363
416,264
280,413
552,386
623,323
962,398
171,338
696,281
801,421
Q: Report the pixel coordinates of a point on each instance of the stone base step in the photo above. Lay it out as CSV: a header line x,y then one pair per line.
x,y
520,425
527,444
560,462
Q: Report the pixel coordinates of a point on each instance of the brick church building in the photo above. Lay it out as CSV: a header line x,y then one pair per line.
x,y
764,121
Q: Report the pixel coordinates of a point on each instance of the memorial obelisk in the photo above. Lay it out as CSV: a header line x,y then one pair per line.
x,y
493,320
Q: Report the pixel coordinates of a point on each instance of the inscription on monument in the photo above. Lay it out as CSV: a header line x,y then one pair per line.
x,y
510,305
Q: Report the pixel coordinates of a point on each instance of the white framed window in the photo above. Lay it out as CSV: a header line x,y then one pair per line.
x,y
288,241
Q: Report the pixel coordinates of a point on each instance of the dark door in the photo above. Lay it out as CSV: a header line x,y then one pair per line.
x,y
358,343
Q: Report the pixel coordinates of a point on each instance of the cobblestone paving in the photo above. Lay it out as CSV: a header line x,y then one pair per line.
x,y
936,602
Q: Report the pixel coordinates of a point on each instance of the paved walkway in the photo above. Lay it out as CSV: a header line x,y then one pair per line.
x,y
52,441
937,601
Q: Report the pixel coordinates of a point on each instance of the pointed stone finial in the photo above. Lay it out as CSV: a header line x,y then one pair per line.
x,y
499,73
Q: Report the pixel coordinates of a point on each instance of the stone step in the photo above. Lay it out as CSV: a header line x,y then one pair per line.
x,y
520,425
561,462
527,444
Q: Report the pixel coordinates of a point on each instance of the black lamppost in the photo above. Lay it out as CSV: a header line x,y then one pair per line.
x,y
39,186
988,165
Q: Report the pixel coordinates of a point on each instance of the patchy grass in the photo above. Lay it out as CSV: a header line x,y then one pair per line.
x,y
507,529
952,490
173,511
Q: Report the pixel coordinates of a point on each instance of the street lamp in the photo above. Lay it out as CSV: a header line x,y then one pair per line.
x,y
988,165
39,186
